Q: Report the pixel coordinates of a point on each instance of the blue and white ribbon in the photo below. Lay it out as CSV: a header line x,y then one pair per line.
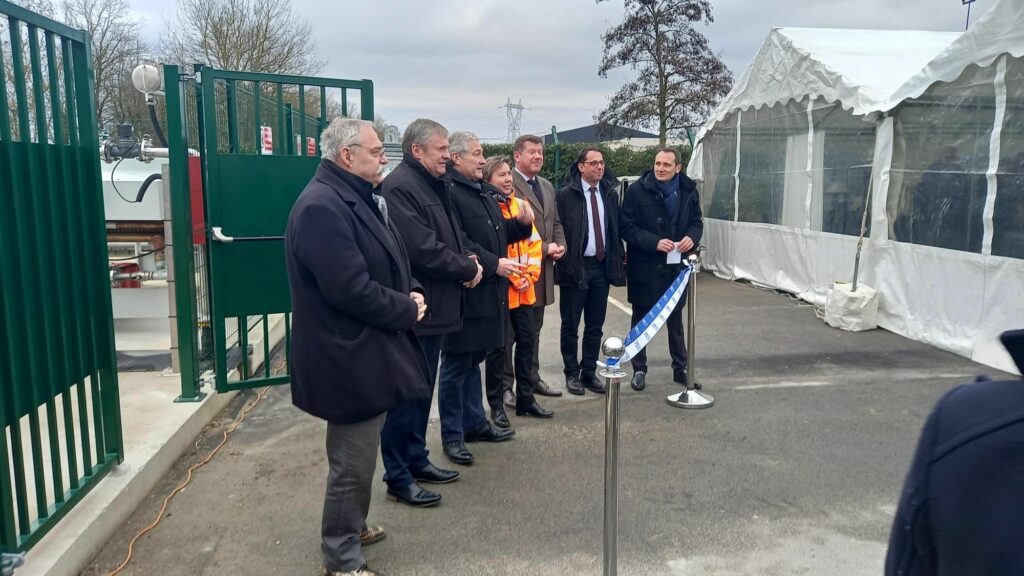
x,y
648,328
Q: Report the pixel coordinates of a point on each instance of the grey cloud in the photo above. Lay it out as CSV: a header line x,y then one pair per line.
x,y
458,60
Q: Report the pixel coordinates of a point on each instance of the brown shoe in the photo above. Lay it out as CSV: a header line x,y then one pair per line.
x,y
362,571
371,535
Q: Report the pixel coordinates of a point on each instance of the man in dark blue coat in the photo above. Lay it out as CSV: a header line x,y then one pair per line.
x,y
660,215
354,355
962,507
419,199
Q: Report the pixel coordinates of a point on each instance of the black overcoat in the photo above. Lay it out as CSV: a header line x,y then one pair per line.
x,y
962,506
419,206
353,351
487,234
643,221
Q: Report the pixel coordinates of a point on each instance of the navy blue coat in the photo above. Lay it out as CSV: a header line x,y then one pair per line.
x,y
487,234
421,211
962,508
644,220
353,351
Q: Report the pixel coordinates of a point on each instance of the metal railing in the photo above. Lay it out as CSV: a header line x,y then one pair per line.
x,y
59,410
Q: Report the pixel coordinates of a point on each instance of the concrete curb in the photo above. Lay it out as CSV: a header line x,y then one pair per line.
x,y
149,455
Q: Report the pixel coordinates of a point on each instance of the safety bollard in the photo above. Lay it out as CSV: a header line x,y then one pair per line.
x,y
613,374
692,396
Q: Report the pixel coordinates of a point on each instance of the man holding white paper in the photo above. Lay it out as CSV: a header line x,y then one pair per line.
x,y
661,222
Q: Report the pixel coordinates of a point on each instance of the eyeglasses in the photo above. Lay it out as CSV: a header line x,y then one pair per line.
x,y
375,152
594,163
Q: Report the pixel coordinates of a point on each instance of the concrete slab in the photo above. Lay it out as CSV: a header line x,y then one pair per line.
x,y
156,433
795,470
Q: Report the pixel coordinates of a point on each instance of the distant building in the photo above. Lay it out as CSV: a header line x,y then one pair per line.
x,y
610,135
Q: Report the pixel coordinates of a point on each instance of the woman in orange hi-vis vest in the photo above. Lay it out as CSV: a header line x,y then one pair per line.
x,y
498,173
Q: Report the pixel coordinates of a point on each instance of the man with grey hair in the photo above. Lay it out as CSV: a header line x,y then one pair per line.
x,y
419,202
488,235
354,354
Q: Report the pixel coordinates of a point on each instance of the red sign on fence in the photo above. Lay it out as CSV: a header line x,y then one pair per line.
x,y
267,137
310,146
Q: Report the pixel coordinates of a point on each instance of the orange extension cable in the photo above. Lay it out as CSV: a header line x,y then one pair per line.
x,y
188,478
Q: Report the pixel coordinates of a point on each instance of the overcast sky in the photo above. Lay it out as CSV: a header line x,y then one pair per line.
x,y
457,61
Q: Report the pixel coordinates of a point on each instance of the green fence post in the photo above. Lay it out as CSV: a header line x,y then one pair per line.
x,y
181,232
366,100
558,150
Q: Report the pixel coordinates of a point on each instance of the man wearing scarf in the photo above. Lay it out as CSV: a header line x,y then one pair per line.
x,y
660,214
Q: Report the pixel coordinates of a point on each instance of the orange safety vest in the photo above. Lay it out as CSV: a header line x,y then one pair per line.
x,y
525,252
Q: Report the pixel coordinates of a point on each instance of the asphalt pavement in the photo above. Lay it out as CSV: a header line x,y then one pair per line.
x,y
796,469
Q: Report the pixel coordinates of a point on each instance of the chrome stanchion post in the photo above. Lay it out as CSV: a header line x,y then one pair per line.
x,y
613,375
692,397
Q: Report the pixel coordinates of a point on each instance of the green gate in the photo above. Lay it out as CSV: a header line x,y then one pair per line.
x,y
259,146
59,408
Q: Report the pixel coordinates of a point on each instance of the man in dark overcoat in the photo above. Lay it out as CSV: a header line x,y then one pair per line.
x,y
660,215
486,317
419,200
962,506
354,355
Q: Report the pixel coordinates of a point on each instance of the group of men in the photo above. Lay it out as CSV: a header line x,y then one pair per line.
x,y
401,282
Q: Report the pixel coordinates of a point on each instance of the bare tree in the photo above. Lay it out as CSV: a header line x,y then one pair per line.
x,y
117,48
679,79
250,35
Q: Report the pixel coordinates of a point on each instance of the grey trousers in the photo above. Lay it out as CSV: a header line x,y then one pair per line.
x,y
352,458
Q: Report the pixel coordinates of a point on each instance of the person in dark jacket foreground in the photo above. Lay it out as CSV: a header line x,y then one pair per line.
x,y
353,351
588,207
420,207
962,507
660,215
485,322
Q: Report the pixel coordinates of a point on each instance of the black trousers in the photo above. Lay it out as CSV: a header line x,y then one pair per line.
x,y
523,337
591,304
676,340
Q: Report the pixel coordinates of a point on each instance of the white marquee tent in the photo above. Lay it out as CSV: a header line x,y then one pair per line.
x,y
923,131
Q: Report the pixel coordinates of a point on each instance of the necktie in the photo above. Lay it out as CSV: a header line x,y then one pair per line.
x,y
598,237
536,191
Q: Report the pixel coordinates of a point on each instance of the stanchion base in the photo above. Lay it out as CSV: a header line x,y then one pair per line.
x,y
691,399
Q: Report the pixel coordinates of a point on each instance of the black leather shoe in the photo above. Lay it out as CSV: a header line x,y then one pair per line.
x,y
457,452
594,385
490,434
415,496
434,475
639,381
679,377
573,385
509,398
500,417
534,410
542,388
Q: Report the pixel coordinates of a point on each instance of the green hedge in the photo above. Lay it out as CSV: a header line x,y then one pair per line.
x,y
622,161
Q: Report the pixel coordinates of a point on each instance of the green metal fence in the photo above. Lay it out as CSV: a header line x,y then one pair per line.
x,y
248,182
58,381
